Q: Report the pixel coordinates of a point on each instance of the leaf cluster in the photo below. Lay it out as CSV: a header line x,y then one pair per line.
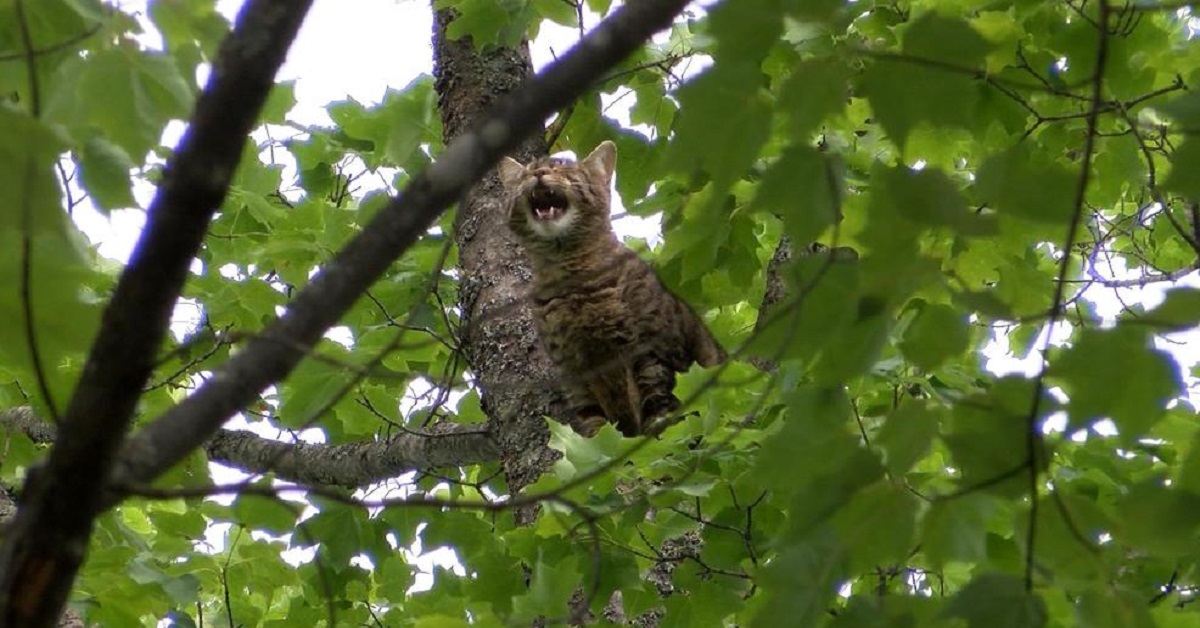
x,y
1004,171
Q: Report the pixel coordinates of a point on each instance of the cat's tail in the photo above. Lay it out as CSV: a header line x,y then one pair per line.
x,y
616,392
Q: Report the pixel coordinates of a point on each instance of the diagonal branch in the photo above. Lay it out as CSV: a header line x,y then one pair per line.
x,y
270,356
48,539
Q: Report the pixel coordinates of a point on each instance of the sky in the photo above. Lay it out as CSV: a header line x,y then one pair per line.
x,y
360,48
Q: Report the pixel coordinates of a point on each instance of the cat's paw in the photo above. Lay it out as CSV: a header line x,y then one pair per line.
x,y
587,426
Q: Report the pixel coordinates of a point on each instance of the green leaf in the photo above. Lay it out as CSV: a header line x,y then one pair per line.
x,y
143,91
1183,109
28,189
279,102
1066,524
105,171
802,187
1026,184
825,497
58,287
987,437
816,89
908,434
724,119
745,30
939,333
269,515
557,11
1116,373
801,581
939,37
904,94
1184,162
441,621
1157,519
310,388
549,589
1108,607
997,601
183,22
928,197
813,441
878,524
397,128
580,454
956,529
1179,310
814,10
1189,471
489,22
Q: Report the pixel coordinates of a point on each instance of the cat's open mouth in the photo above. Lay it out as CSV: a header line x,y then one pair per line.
x,y
547,204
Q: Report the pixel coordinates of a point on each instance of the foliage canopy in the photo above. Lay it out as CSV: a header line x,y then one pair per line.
x,y
1006,172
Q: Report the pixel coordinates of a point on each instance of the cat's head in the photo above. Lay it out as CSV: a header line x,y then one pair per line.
x,y
556,201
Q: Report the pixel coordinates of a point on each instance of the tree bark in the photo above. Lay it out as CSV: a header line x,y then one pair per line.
x,y
514,375
352,465
46,542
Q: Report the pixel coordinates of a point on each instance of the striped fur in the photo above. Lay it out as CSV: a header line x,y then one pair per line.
x,y
617,335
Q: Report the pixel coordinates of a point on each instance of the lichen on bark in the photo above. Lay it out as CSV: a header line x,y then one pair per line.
x,y
515,378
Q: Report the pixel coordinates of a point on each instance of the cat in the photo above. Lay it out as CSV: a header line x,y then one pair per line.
x,y
616,334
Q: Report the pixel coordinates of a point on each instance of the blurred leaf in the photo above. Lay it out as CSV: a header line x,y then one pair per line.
x,y
1179,310
939,333
908,434
1026,184
279,102
802,187
104,168
815,90
723,107
1117,374
1183,178
1157,519
1104,607
143,91
927,197
997,601
956,529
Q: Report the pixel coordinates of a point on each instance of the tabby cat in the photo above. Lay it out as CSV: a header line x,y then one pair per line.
x,y
616,334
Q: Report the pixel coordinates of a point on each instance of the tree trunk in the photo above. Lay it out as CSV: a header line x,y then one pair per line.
x,y
514,376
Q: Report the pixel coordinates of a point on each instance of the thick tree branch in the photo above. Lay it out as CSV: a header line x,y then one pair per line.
x,y
352,465
271,355
22,419
46,546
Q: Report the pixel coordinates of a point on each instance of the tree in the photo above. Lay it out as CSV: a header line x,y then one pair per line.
x,y
906,182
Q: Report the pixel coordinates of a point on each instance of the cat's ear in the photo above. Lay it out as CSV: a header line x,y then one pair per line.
x,y
510,171
601,161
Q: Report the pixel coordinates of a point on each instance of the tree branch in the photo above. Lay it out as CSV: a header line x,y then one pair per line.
x,y
272,354
22,419
39,561
352,465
